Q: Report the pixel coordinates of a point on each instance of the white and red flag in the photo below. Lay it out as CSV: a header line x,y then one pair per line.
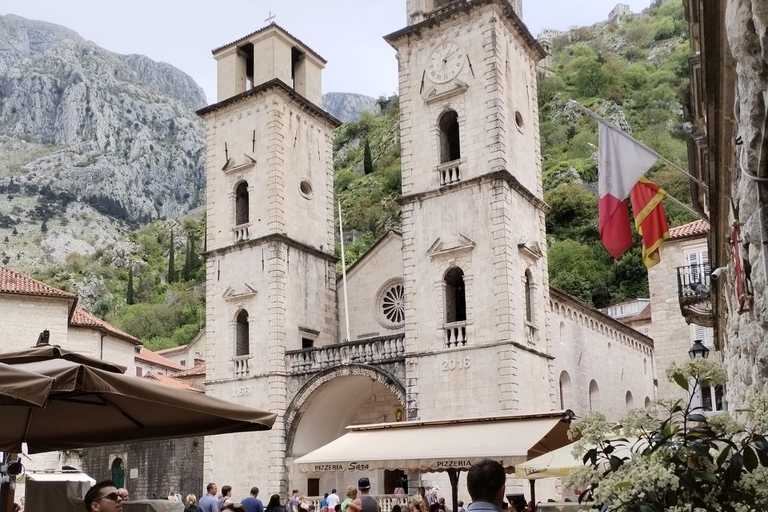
x,y
621,164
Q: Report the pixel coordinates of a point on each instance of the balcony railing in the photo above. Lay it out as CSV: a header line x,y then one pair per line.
x,y
385,501
241,365
530,333
450,172
369,351
241,233
694,290
455,334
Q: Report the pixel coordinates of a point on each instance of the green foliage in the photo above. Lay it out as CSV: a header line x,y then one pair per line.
x,y
172,260
129,296
367,159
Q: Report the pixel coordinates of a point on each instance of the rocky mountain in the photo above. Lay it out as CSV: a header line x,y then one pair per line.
x,y
348,107
89,141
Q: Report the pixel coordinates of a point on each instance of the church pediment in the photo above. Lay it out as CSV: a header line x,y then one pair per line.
x,y
243,291
531,250
447,91
462,243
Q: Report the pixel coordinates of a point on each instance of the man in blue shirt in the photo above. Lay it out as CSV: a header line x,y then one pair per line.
x,y
486,483
253,503
209,503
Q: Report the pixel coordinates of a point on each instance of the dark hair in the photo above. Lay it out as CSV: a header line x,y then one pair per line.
x,y
434,507
504,505
93,493
396,508
461,503
274,501
210,486
326,495
333,491
484,480
337,508
226,490
255,491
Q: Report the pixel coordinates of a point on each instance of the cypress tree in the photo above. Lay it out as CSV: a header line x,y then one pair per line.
x,y
129,299
367,158
172,261
187,272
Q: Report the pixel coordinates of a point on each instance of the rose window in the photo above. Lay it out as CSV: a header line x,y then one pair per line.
x,y
390,302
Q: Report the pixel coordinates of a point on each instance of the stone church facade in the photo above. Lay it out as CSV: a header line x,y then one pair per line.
x,y
450,317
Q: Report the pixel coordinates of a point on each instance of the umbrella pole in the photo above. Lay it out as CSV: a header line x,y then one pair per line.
x,y
453,475
6,493
533,491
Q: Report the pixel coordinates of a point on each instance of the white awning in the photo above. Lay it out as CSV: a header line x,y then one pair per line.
x,y
60,477
428,446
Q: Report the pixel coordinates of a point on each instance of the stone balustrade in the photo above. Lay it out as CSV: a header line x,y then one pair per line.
x,y
450,172
241,233
241,365
368,351
455,334
530,333
385,501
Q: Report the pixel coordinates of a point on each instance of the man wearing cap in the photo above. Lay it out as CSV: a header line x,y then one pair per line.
x,y
486,483
364,500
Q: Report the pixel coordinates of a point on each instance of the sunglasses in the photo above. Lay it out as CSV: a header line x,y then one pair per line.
x,y
113,496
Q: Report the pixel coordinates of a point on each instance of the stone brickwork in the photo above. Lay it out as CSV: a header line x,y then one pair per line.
x,y
153,468
671,333
25,317
589,346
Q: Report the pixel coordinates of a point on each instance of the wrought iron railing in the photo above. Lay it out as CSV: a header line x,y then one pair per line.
x,y
693,282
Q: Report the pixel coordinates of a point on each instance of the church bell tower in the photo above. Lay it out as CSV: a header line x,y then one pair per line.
x,y
270,268
474,245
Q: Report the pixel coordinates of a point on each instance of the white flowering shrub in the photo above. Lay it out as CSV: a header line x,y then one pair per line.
x,y
673,458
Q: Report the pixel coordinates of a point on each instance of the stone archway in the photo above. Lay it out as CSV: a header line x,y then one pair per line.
x,y
300,402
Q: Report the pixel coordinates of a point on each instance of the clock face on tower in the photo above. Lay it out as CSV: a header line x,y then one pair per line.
x,y
445,62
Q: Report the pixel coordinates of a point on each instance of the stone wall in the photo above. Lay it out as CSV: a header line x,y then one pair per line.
x,y
152,468
25,317
746,353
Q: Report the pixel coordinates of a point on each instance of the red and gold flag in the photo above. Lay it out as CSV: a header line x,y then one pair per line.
x,y
650,219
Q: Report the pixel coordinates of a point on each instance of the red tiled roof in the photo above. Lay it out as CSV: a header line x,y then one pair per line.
x,y
197,371
170,381
692,229
82,318
16,283
264,29
645,314
171,350
152,358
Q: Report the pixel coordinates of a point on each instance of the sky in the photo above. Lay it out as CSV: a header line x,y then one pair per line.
x,y
347,33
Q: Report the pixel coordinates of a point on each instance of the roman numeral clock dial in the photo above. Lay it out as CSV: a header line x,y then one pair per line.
x,y
445,62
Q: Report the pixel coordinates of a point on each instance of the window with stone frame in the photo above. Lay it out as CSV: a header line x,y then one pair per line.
x,y
455,296
242,335
529,298
242,206
594,396
450,139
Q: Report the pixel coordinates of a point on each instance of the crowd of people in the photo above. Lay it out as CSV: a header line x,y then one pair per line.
x,y
485,483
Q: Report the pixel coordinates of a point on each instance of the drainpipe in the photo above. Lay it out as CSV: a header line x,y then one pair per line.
x,y
101,348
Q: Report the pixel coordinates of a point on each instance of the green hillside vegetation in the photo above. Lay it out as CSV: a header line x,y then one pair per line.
x,y
631,73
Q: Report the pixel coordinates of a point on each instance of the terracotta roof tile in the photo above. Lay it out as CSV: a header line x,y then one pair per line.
x,y
170,381
16,283
82,318
197,371
645,314
150,357
171,350
692,229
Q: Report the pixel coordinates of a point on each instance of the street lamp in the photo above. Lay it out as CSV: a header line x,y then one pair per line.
x,y
698,349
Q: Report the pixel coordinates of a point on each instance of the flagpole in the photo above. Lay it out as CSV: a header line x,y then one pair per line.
x,y
686,207
344,272
595,116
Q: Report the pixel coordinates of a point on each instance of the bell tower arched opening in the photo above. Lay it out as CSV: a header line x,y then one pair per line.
x,y
450,139
242,213
455,296
242,335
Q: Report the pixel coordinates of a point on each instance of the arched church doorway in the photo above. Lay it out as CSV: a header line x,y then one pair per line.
x,y
118,472
320,413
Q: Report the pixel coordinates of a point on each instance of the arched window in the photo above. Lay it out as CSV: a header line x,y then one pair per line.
x,y
647,402
594,396
241,204
565,390
562,332
242,341
455,297
528,296
117,471
450,143
629,400
645,366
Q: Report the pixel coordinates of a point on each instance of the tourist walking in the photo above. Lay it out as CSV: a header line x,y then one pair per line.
x,y
294,502
364,501
191,502
252,503
333,500
226,496
209,503
274,504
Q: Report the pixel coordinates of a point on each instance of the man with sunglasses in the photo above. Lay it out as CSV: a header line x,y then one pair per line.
x,y
103,497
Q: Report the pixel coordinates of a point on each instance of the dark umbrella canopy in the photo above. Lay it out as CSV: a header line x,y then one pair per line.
x,y
94,404
21,388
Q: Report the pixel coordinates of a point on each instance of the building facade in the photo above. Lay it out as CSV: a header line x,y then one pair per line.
x,y
451,317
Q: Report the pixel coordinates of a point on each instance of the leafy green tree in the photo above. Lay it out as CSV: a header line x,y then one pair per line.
x,y
590,79
172,261
367,158
129,298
